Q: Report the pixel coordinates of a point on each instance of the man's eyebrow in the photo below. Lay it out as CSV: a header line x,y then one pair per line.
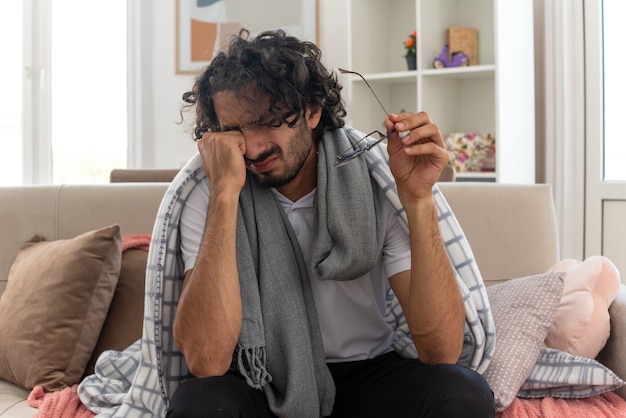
x,y
228,128
260,120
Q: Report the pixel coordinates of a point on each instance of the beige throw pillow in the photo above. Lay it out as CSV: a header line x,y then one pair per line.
x,y
57,297
124,322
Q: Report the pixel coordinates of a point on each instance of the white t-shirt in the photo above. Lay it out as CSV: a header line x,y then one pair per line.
x,y
351,313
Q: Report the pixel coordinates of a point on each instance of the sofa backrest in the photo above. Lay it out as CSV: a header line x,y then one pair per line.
x,y
512,229
60,212
141,175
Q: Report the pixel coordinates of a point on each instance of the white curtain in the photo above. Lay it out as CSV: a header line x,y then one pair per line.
x,y
560,118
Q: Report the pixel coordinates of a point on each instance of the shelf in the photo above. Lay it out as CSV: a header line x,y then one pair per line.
x,y
391,77
476,71
495,96
469,72
476,177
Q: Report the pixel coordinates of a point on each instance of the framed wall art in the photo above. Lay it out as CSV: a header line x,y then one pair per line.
x,y
203,27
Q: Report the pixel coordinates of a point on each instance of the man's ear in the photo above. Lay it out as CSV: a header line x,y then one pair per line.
x,y
313,115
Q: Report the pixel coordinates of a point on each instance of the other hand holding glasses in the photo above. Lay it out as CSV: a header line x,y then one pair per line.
x,y
375,137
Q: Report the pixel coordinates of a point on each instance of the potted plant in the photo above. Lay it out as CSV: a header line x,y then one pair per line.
x,y
410,49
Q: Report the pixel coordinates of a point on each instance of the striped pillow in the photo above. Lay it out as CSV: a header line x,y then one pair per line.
x,y
559,374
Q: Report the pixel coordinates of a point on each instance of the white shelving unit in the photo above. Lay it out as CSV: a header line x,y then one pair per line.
x,y
495,96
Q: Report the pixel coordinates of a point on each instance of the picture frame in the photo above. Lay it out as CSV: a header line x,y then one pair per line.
x,y
203,27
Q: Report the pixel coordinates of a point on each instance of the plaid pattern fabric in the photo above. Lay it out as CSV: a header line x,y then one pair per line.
x,y
559,374
138,381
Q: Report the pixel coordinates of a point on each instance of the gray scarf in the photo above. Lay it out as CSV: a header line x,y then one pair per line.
x,y
280,347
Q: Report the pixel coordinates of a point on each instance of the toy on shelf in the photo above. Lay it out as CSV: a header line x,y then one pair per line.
x,y
461,48
457,59
463,40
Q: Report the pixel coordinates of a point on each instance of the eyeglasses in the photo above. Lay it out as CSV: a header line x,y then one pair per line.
x,y
370,140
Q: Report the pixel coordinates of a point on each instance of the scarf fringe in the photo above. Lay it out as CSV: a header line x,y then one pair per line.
x,y
251,365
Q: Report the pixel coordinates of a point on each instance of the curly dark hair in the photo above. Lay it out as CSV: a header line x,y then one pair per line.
x,y
274,66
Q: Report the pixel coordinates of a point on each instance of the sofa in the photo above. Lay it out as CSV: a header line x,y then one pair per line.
x,y
489,213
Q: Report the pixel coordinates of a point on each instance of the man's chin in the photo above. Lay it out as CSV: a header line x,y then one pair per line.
x,y
268,180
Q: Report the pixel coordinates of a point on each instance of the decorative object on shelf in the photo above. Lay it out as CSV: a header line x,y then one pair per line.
x,y
445,59
463,40
471,152
411,62
410,47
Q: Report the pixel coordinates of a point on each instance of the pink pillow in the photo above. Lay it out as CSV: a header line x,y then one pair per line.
x,y
582,325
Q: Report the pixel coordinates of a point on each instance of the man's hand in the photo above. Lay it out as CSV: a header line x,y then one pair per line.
x,y
222,160
417,153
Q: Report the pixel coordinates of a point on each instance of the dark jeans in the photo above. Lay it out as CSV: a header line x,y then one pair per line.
x,y
387,386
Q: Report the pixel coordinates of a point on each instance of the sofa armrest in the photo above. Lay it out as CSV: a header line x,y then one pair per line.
x,y
612,355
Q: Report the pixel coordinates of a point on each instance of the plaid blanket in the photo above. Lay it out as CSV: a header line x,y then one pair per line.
x,y
138,381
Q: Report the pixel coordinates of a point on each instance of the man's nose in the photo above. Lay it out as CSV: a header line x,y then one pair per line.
x,y
256,143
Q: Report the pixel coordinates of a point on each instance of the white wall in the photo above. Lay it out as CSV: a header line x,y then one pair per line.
x,y
165,143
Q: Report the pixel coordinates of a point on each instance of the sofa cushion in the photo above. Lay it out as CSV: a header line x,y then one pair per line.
x,y
13,401
523,310
124,322
57,297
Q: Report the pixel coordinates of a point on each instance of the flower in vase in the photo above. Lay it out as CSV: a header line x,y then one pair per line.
x,y
410,45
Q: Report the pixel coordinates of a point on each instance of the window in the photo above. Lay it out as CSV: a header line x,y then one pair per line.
x,y
11,97
88,90
63,118
605,172
614,12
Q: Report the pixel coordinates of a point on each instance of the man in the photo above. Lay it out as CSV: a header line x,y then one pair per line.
x,y
288,258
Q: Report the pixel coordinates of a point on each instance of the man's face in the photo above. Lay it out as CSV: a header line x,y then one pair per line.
x,y
274,155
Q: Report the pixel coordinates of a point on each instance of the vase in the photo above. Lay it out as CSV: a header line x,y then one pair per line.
x,y
411,62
